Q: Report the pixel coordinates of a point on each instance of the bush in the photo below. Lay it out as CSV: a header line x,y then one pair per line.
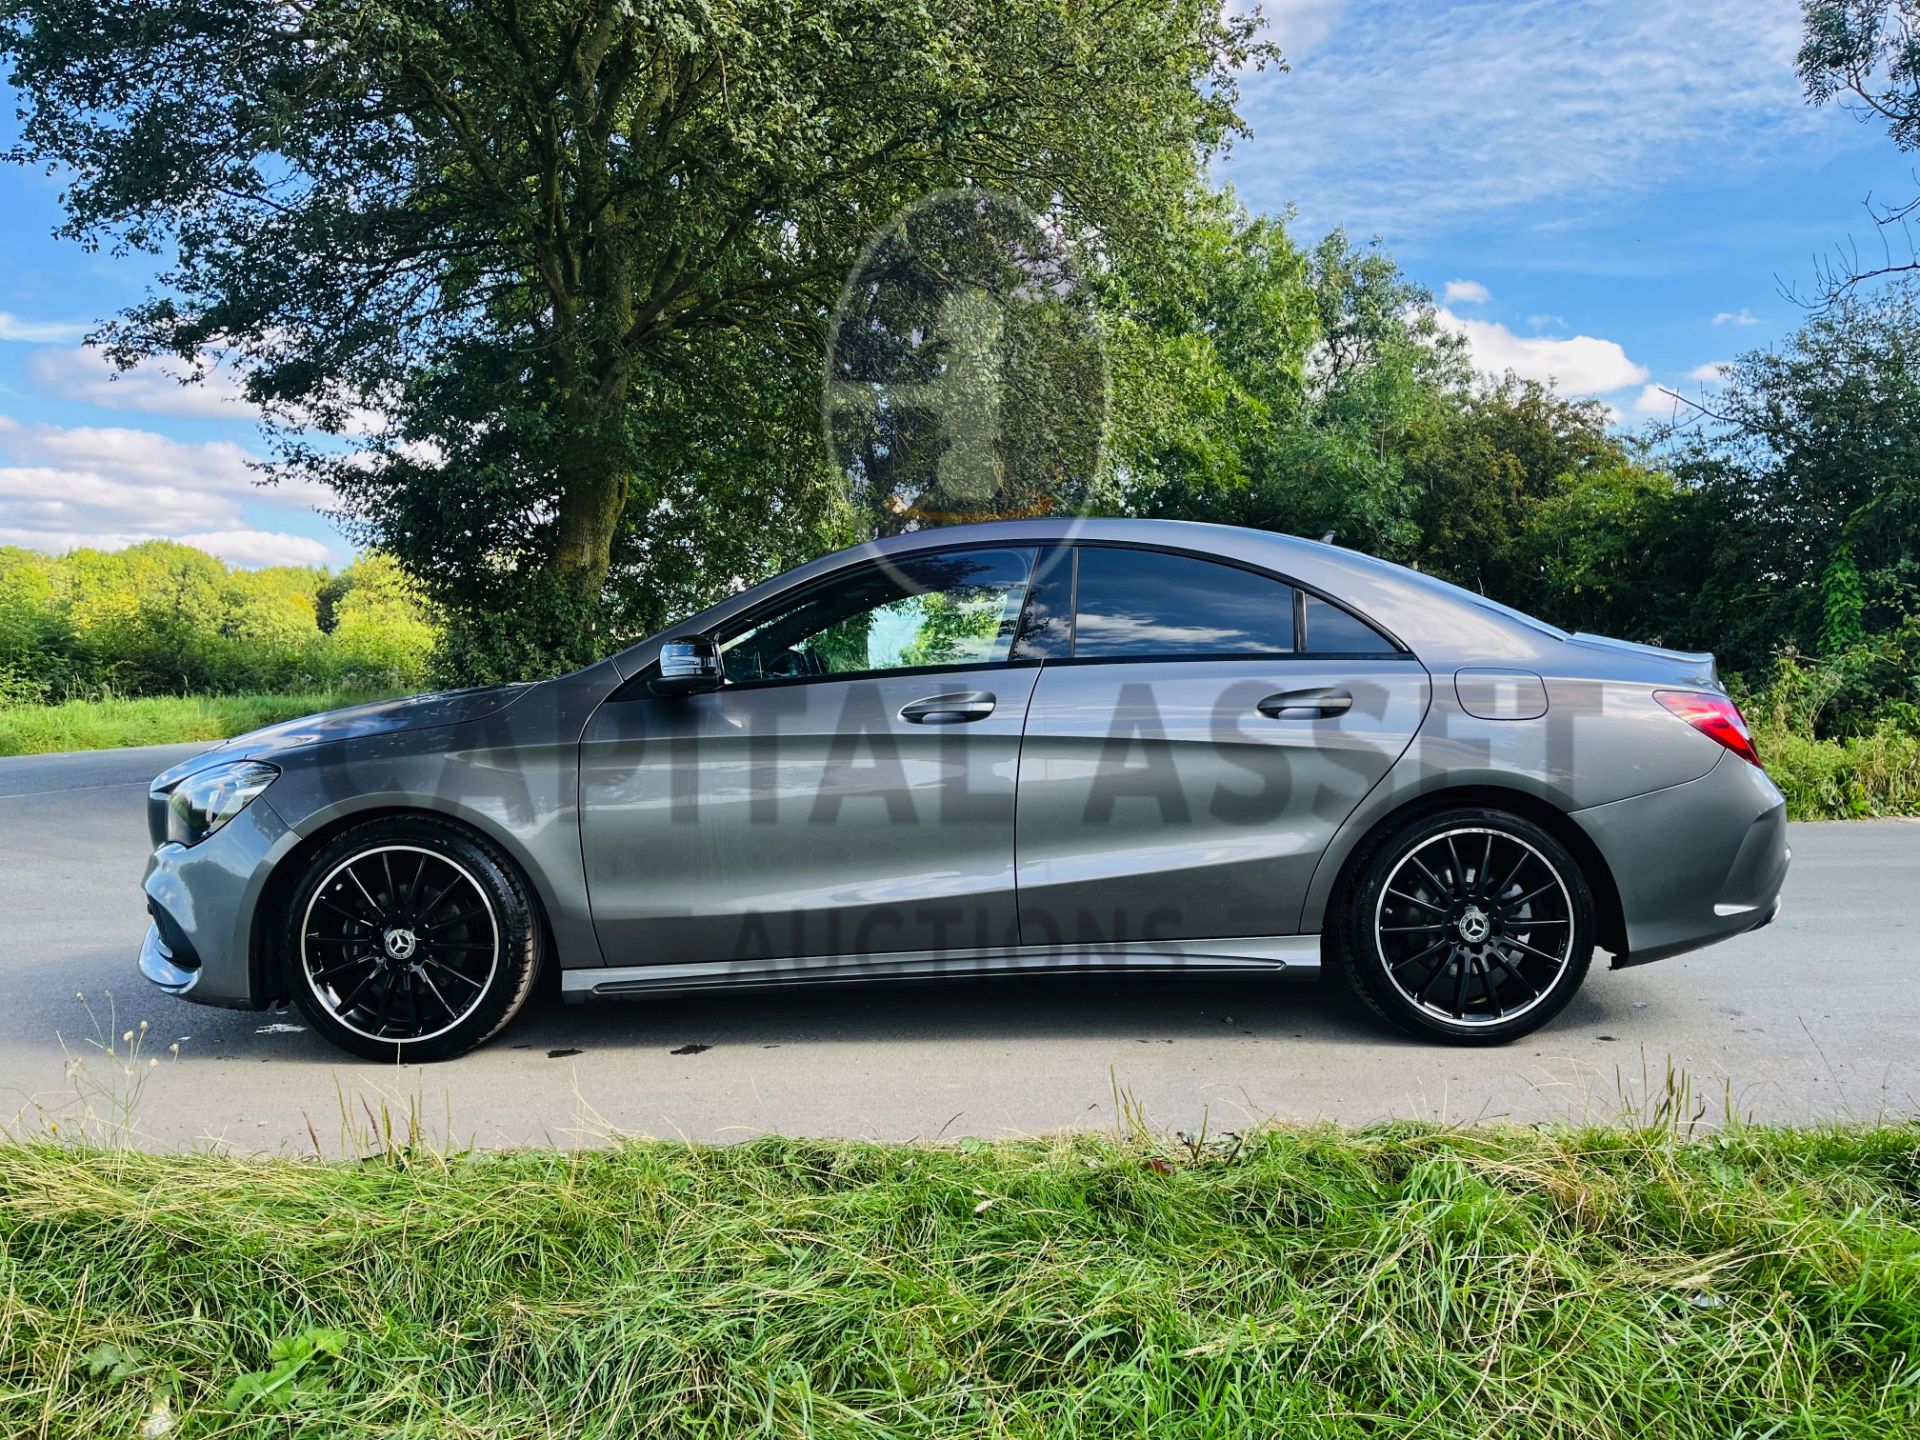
x,y
1861,776
166,619
1841,736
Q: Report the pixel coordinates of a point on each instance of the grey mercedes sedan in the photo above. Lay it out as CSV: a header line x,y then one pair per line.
x,y
1035,745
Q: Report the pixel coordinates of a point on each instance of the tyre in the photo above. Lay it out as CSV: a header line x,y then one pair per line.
x,y
1470,926
409,939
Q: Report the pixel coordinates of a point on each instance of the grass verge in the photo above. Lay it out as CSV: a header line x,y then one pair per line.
x,y
1398,1281
160,720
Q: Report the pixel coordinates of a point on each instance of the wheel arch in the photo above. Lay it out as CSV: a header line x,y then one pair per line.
x,y
1609,915
271,979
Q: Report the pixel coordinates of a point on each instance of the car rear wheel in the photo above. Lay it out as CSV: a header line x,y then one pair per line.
x,y
1471,926
410,940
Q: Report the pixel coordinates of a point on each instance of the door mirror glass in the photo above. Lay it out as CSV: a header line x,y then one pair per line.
x,y
689,667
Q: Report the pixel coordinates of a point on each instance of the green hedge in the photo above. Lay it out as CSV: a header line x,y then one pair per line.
x,y
166,619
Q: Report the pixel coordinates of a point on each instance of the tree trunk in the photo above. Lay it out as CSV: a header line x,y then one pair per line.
x,y
589,516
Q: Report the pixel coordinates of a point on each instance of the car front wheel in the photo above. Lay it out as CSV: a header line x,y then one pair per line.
x,y
410,940
1470,926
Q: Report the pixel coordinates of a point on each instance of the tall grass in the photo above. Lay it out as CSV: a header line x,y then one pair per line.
x,y
1865,775
1406,1280
157,720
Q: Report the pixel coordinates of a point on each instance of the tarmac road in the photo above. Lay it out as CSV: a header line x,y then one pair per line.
x,y
1811,1018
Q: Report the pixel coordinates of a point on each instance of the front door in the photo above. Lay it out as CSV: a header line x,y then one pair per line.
x,y
848,791
1192,751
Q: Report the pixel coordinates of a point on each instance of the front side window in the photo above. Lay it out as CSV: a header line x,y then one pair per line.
x,y
918,613
1142,603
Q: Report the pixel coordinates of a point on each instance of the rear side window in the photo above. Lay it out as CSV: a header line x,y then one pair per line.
x,y
1332,631
1141,603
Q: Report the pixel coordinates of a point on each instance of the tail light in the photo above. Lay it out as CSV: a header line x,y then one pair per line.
x,y
1714,716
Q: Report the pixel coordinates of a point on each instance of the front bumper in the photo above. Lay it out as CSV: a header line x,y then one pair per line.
x,y
1695,863
203,900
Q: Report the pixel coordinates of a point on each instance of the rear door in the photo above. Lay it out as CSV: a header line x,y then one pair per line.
x,y
1194,740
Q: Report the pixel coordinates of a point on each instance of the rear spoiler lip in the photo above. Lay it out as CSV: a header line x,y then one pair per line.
x,y
1701,660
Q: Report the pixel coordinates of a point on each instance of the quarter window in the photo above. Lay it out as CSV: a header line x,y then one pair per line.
x,y
1332,631
920,612
1140,603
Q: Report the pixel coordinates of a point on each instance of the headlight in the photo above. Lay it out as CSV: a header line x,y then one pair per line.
x,y
207,799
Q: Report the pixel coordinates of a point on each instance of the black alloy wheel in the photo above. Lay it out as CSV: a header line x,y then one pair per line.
x,y
410,940
1474,926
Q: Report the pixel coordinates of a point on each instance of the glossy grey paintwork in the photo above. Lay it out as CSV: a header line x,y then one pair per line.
x,y
1642,785
1158,802
807,818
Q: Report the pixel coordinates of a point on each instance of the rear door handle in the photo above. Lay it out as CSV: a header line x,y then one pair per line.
x,y
960,709
1306,704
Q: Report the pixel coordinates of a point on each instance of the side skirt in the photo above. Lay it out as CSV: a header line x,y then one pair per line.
x,y
1296,956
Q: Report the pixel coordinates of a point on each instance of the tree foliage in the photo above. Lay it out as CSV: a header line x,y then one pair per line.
x,y
1866,53
1808,459
510,240
1260,384
165,619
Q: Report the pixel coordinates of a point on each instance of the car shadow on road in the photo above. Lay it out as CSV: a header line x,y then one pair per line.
x,y
1099,1010
1142,1009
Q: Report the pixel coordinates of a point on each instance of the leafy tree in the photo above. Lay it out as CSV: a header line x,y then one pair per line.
x,y
376,632
512,239
1867,52
1811,452
1257,384
1478,468
162,618
1618,550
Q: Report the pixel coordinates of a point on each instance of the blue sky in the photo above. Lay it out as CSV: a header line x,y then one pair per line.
x,y
1611,195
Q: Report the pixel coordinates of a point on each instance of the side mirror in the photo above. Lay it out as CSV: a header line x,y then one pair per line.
x,y
689,667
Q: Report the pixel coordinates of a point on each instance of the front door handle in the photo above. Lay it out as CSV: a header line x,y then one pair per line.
x,y
1306,704
961,709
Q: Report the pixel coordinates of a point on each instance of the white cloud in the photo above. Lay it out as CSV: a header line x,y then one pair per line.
x,y
1656,401
246,548
262,547
1409,117
1465,292
1579,364
1742,316
108,487
87,375
1546,322
38,332
1712,372
1299,27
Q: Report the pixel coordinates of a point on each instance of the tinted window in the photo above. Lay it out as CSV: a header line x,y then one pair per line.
x,y
1140,602
1332,631
921,612
1046,630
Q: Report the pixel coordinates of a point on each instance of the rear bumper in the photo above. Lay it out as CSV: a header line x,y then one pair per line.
x,y
203,898
1695,863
